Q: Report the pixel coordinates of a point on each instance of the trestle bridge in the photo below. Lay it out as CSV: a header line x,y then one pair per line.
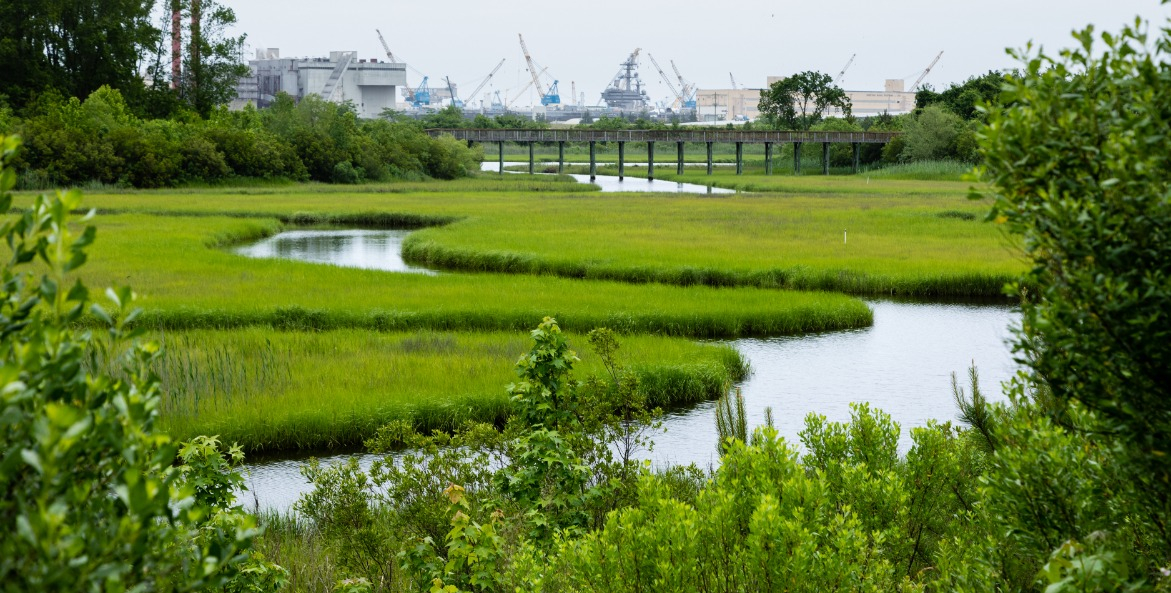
x,y
679,137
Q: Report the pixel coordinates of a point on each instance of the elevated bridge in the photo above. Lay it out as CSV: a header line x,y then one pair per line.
x,y
679,137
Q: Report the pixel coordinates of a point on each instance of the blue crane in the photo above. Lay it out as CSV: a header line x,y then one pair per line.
x,y
553,97
421,96
548,97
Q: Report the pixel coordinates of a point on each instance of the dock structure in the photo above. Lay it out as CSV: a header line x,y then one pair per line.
x,y
679,137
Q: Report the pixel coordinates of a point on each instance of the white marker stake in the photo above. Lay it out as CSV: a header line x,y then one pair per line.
x,y
843,236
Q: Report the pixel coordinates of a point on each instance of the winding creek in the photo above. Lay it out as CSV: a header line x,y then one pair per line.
x,y
902,364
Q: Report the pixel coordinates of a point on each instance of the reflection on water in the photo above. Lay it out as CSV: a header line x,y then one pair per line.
x,y
371,250
902,365
610,183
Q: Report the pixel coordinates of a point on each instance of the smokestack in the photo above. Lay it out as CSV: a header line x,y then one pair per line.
x,y
176,43
195,41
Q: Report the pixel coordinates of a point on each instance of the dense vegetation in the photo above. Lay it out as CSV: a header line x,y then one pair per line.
x,y
72,142
95,499
1064,488
275,391
913,238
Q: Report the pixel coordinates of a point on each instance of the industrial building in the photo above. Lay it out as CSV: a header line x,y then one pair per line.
x,y
727,104
743,104
371,85
892,99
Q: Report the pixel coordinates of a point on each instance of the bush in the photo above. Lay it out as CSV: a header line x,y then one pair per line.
x,y
72,142
931,135
344,172
92,500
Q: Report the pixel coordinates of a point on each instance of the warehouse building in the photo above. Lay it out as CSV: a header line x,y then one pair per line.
x,y
371,85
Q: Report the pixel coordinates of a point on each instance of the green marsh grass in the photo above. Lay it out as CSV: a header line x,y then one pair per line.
x,y
791,238
811,181
313,391
935,245
189,282
922,171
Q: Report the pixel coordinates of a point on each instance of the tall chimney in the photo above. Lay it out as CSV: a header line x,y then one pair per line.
x,y
176,43
195,41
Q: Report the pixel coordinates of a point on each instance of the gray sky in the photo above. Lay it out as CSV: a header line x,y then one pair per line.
x,y
585,41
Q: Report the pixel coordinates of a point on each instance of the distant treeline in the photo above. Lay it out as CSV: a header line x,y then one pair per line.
x,y
70,142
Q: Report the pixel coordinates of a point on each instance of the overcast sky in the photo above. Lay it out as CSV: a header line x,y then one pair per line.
x,y
752,39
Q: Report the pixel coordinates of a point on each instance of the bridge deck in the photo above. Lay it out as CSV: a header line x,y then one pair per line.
x,y
718,136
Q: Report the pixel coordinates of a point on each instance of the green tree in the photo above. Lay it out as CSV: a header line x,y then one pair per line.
x,y
799,101
1077,495
965,99
212,61
931,135
72,47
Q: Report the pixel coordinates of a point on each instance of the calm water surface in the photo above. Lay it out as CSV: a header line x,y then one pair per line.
x,y
902,365
611,183
368,249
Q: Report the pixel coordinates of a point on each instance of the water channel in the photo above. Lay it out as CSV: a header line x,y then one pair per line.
x,y
611,183
902,364
351,248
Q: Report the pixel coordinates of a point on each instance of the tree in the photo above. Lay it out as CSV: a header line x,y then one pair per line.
x,y
212,61
1077,493
931,135
798,101
72,47
964,99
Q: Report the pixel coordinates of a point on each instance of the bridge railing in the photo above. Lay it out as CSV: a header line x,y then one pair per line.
x,y
718,136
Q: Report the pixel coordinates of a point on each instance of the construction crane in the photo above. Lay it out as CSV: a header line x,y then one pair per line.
x,y
838,78
687,88
497,102
408,91
451,89
389,55
524,88
548,96
420,96
733,78
482,83
553,96
678,96
915,86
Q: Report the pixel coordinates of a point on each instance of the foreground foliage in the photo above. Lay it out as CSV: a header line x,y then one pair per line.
x,y
92,500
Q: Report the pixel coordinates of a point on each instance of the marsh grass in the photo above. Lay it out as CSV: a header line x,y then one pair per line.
x,y
923,171
295,544
791,239
189,283
313,391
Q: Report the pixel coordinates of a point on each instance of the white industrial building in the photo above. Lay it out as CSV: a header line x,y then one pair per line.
x,y
371,85
741,104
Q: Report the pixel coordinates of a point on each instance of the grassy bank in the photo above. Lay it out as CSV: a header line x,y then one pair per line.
x,y
302,390
189,282
942,178
926,245
903,237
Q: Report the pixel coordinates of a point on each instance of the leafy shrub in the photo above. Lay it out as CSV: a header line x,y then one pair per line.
x,y
344,172
92,500
72,142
